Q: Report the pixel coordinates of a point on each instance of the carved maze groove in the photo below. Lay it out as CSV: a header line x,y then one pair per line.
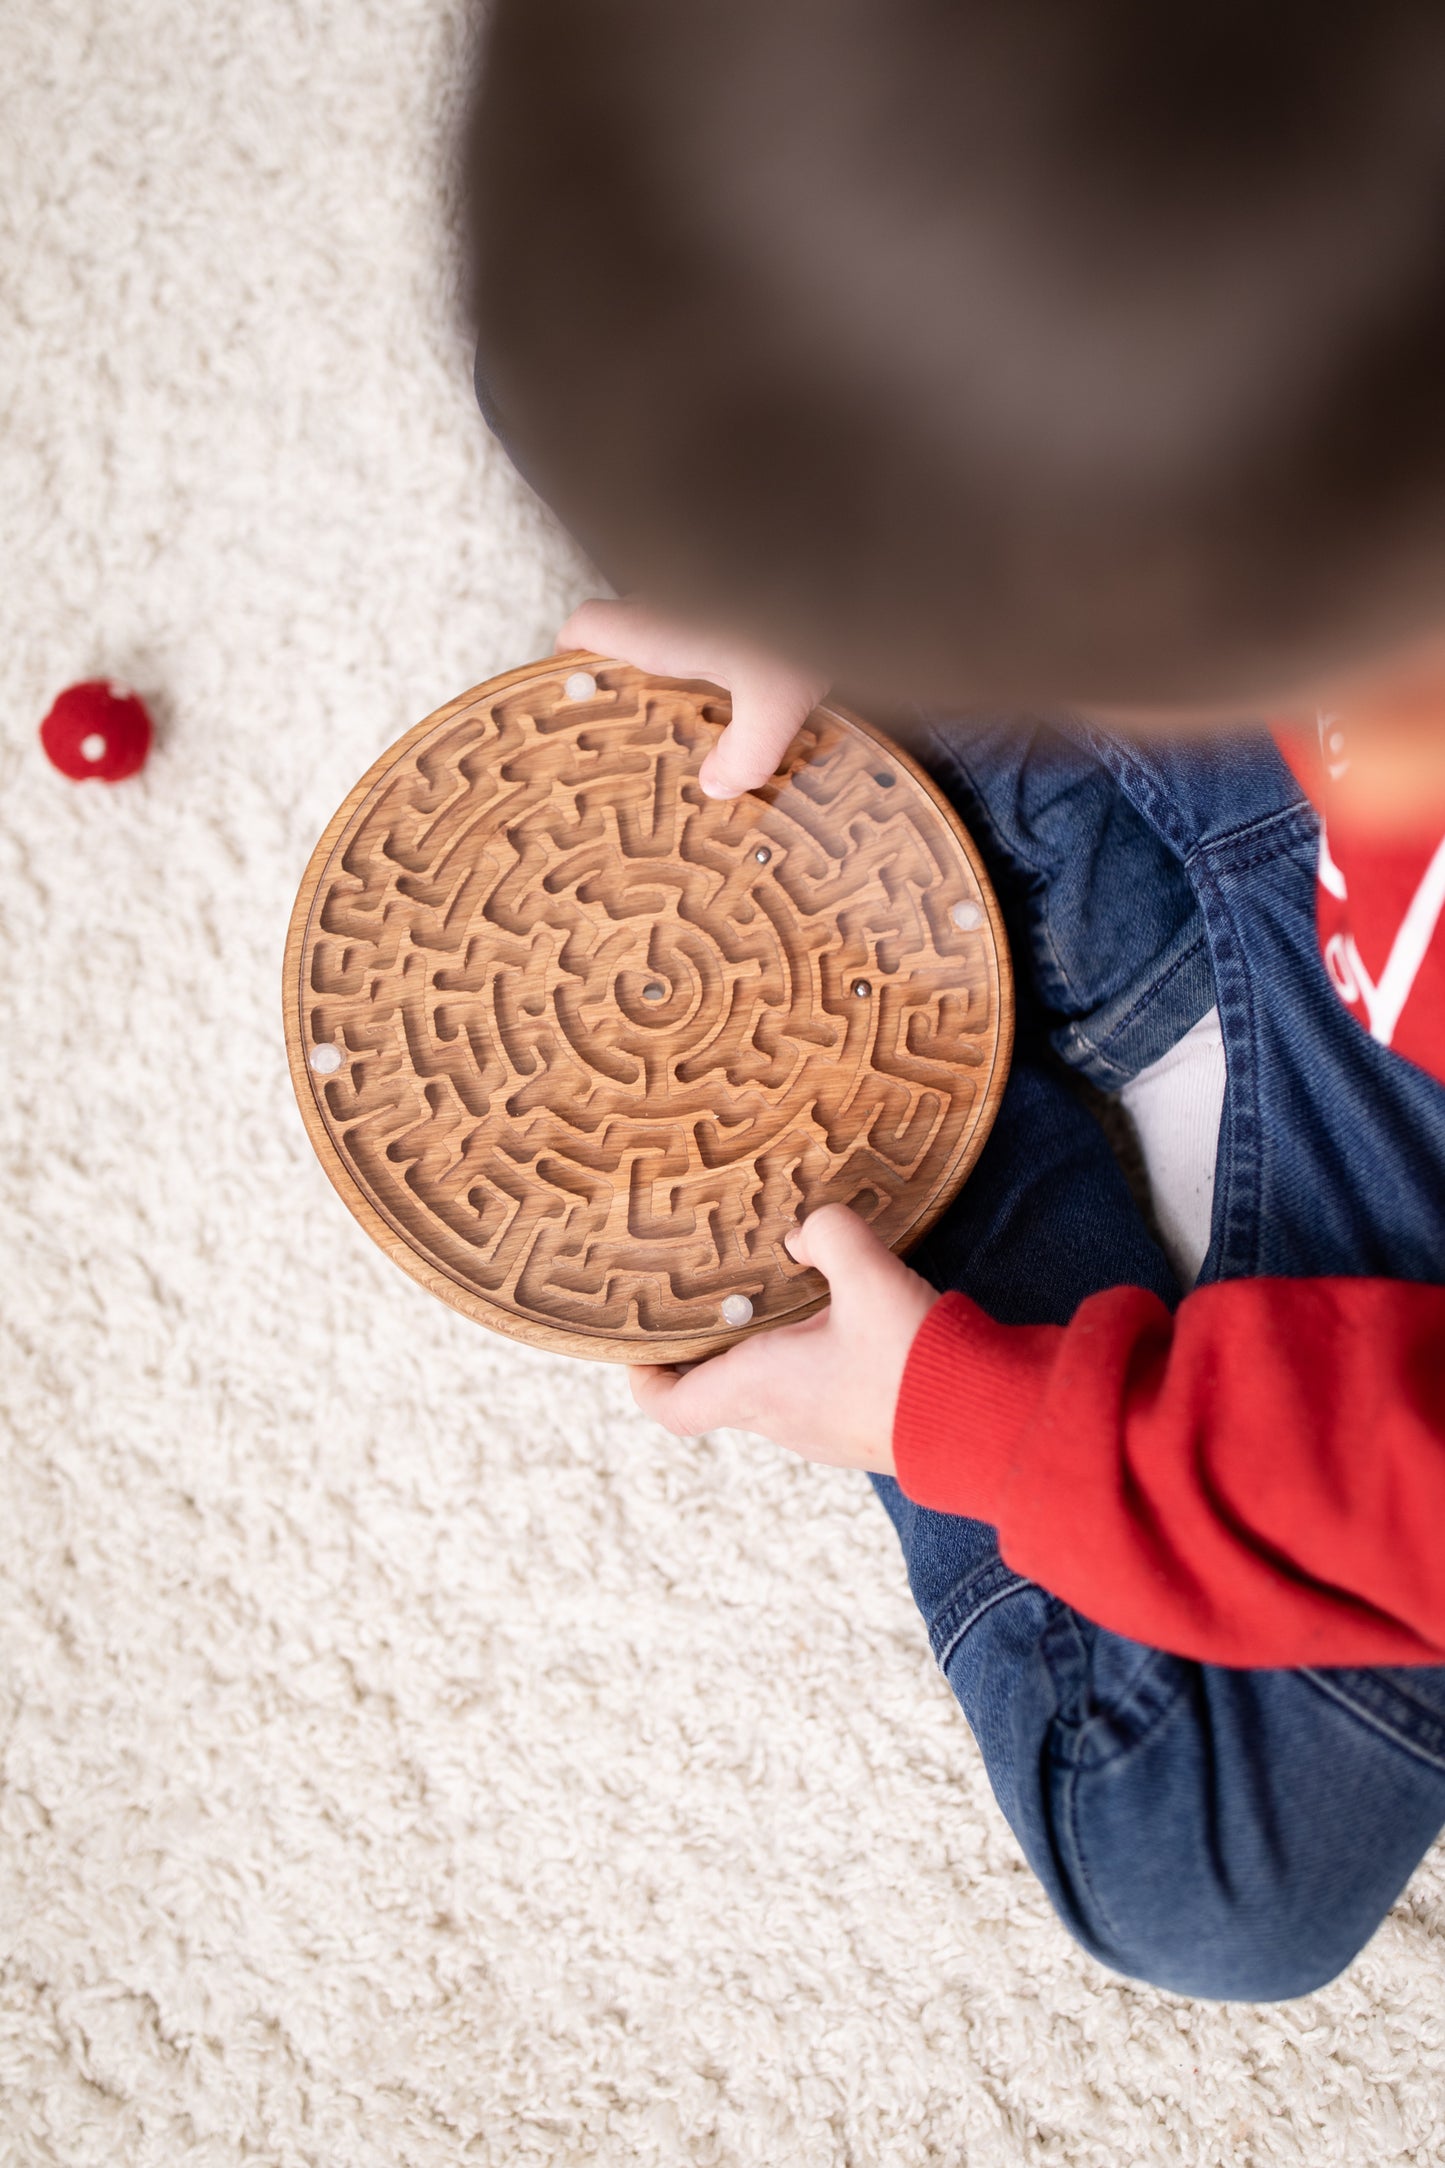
x,y
579,1044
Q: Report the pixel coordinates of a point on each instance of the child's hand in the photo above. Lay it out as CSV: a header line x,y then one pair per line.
x,y
826,1388
771,700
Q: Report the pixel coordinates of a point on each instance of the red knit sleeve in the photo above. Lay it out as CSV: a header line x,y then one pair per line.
x,y
1258,1479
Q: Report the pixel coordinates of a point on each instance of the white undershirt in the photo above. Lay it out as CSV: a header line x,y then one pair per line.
x,y
1175,1105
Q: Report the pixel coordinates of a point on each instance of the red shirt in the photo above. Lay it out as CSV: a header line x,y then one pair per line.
x,y
1259,1477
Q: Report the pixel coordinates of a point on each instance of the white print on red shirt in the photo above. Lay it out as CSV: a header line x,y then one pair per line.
x,y
1383,1000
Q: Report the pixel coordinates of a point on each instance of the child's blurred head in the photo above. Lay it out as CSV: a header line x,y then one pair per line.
x,y
1079,349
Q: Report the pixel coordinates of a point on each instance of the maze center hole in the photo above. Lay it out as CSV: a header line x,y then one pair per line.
x,y
654,997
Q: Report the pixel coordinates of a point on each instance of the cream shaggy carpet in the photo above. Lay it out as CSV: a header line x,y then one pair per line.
x,y
410,1757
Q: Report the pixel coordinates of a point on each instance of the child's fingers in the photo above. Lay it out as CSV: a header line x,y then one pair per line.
x,y
634,634
844,1248
748,1388
652,1388
707,1397
770,700
769,709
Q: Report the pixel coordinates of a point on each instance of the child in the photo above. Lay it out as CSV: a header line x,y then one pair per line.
x,y
1054,351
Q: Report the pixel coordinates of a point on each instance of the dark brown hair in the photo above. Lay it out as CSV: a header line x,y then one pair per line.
x,y
1090,349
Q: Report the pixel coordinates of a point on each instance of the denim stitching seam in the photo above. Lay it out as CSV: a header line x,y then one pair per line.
x,y
1377,1721
1070,1775
1152,992
971,1618
1237,1207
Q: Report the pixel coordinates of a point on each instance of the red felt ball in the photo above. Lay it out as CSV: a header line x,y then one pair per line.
x,y
97,729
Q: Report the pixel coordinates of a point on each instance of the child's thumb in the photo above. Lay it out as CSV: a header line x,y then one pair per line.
x,y
769,709
844,1248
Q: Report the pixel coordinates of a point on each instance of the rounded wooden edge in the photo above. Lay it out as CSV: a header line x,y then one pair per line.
x,y
557,1339
1003,1045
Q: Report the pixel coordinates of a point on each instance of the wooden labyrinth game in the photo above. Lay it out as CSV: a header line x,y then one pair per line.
x,y
578,1044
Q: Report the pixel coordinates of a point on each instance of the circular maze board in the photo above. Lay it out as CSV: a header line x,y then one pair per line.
x,y
578,1044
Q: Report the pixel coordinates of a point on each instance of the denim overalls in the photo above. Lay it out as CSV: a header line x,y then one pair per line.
x,y
1220,1832
1229,1833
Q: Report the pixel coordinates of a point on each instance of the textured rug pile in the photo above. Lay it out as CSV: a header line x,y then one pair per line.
x,y
407,1756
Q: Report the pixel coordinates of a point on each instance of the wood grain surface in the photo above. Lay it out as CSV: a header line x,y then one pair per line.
x,y
577,1044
